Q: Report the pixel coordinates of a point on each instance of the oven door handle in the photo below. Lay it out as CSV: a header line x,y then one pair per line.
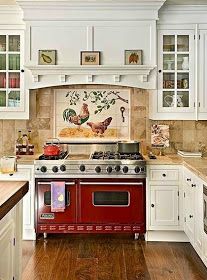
x,y
49,183
111,183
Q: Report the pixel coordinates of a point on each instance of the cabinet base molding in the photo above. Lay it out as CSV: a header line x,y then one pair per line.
x,y
29,234
169,236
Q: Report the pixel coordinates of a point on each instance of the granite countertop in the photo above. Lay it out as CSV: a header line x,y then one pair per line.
x,y
197,165
10,194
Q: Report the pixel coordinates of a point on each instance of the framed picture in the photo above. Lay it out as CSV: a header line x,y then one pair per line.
x,y
47,57
133,57
90,58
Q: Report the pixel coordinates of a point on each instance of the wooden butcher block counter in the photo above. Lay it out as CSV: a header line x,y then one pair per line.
x,y
10,194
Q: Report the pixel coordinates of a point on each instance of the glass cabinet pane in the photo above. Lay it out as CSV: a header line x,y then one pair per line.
x,y
2,98
14,80
169,80
14,61
168,99
2,62
182,43
183,62
183,99
14,99
2,43
14,43
169,43
168,62
183,81
3,80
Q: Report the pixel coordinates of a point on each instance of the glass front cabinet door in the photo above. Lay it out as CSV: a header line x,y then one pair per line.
x,y
175,72
11,74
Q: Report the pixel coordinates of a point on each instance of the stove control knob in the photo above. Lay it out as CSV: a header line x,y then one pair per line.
x,y
142,169
117,168
98,169
63,168
43,169
137,169
82,168
109,169
125,169
55,169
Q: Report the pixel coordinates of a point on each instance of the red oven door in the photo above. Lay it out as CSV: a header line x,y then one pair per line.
x,y
43,203
112,201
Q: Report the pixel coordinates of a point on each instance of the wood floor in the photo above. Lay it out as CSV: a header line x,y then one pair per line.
x,y
109,257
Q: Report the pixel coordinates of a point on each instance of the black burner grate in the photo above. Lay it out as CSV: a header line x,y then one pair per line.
x,y
113,155
62,155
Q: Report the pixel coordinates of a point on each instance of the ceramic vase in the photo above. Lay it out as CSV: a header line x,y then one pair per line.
x,y
185,64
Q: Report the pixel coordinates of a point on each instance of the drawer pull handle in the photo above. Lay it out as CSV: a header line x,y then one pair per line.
x,y
188,179
164,175
152,205
193,185
190,216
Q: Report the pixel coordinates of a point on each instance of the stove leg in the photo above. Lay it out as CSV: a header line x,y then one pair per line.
x,y
136,236
45,235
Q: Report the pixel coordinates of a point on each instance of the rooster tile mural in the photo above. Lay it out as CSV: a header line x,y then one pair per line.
x,y
92,114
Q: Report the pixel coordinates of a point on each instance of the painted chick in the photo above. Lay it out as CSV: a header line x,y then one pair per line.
x,y
100,127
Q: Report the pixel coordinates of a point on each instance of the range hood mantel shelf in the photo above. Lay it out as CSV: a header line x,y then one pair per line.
x,y
116,72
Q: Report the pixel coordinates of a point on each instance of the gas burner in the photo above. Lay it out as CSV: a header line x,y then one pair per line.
x,y
112,155
103,155
136,156
62,155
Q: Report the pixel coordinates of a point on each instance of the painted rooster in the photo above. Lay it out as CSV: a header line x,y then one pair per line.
x,y
70,115
100,127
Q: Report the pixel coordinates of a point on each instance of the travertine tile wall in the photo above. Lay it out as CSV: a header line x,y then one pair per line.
x,y
183,134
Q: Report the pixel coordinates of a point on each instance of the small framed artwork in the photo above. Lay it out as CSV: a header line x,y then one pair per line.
x,y
47,57
90,58
133,57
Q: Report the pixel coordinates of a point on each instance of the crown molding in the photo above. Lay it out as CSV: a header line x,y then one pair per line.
x,y
93,10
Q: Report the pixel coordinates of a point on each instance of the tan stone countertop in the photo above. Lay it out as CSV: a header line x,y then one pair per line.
x,y
196,165
10,194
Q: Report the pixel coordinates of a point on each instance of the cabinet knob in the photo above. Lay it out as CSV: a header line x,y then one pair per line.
x,y
190,216
152,205
22,70
188,179
193,185
164,175
160,71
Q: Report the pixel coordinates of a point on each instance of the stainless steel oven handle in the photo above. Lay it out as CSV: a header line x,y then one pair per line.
x,y
49,183
111,183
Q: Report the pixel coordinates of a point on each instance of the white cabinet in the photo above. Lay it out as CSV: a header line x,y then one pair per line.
x,y
12,98
193,209
164,205
163,198
10,244
25,172
176,66
202,71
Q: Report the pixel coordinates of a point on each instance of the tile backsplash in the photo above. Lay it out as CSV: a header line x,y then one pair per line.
x,y
188,135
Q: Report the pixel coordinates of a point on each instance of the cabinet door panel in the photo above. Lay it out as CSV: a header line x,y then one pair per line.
x,y
203,72
189,212
164,206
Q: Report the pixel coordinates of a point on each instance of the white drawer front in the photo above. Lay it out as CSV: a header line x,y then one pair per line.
x,y
164,175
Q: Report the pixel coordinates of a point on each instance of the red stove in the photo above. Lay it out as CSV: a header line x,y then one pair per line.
x,y
104,193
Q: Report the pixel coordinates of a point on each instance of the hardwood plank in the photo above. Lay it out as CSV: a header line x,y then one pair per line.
x,y
135,264
160,261
109,257
189,262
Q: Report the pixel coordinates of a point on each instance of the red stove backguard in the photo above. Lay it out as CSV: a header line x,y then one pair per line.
x,y
93,205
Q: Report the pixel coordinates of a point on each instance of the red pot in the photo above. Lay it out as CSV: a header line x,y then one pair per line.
x,y
52,149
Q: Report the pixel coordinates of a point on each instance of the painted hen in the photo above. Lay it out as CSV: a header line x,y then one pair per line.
x,y
100,127
70,115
